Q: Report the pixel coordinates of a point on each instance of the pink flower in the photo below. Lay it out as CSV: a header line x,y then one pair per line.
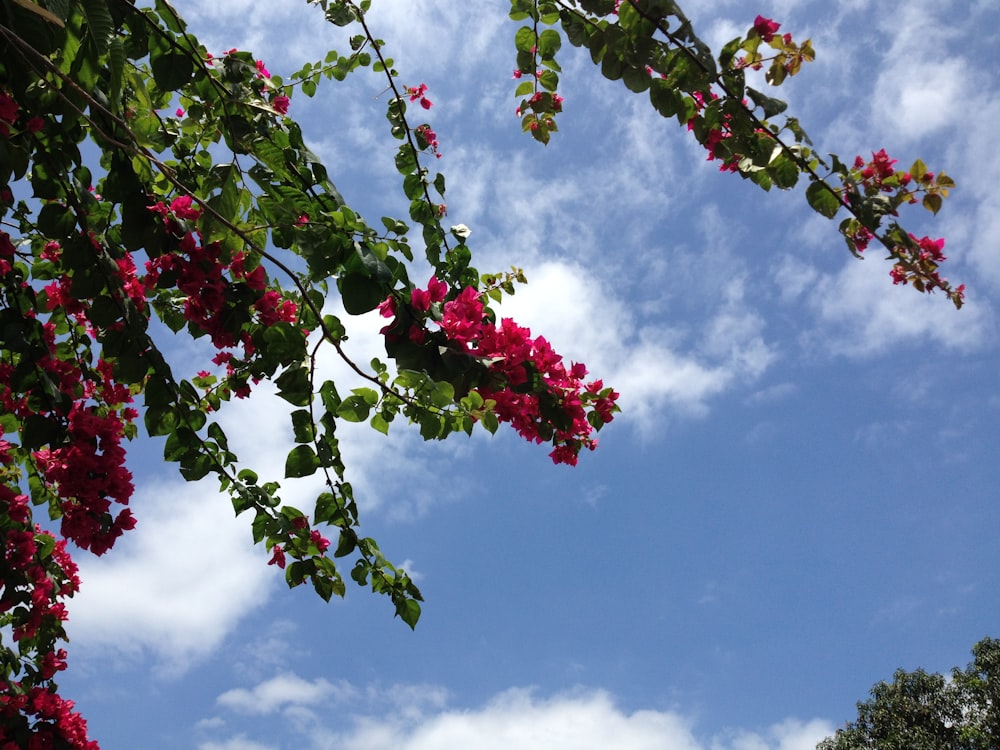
x,y
422,300
765,28
182,208
277,556
387,307
280,104
930,248
321,542
261,70
417,92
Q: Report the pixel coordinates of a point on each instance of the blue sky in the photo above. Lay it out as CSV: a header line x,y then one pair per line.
x,y
801,493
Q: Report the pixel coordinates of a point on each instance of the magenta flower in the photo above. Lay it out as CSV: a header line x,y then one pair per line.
x,y
765,28
280,104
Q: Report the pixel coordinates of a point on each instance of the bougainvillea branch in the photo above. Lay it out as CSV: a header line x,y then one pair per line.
x,y
651,47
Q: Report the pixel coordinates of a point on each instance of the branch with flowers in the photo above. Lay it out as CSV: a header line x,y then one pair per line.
x,y
205,212
651,47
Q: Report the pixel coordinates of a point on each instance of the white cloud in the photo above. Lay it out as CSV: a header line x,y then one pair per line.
x,y
918,89
239,742
280,692
790,734
975,232
650,365
917,97
419,719
864,315
174,586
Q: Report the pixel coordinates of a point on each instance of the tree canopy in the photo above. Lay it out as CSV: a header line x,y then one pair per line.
x,y
150,187
929,711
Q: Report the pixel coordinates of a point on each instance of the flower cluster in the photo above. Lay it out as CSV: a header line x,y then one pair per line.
x,y
873,189
525,380
215,290
715,136
84,465
87,474
55,723
541,102
917,264
427,138
261,84
786,58
301,541
41,574
7,252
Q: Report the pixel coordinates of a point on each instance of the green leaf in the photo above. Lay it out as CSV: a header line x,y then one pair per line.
x,y
38,431
409,611
368,395
99,23
302,426
302,461
666,99
549,80
770,105
226,204
378,422
822,200
116,60
195,467
348,541
918,170
524,39
294,386
172,70
636,79
56,221
360,572
490,422
549,43
783,170
443,393
354,409
249,476
361,293
932,202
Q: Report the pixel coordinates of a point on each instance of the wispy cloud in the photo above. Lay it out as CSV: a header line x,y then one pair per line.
x,y
405,719
280,692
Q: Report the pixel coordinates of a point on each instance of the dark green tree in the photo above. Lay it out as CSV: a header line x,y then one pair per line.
x,y
927,711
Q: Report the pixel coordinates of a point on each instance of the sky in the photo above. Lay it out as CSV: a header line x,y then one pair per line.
x,y
799,497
